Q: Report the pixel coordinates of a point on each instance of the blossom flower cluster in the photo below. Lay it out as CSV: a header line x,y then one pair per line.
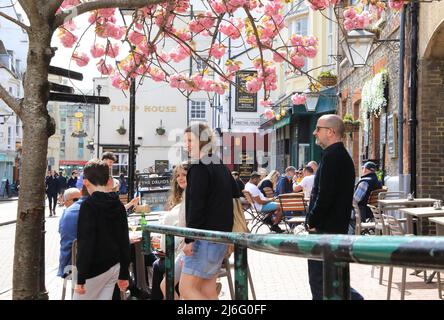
x,y
197,83
355,20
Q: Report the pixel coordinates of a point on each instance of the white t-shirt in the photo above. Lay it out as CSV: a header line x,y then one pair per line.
x,y
307,184
254,191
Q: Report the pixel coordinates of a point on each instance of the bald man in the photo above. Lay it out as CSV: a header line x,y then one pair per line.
x,y
70,196
332,195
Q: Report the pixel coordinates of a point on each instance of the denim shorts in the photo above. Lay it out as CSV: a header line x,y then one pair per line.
x,y
270,206
206,260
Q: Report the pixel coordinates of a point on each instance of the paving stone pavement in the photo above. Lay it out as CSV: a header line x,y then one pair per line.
x,y
275,277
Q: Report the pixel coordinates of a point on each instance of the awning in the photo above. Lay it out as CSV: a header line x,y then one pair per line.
x,y
283,122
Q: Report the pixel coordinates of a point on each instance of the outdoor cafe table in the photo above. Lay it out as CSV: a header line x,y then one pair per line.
x,y
439,225
420,213
396,204
136,240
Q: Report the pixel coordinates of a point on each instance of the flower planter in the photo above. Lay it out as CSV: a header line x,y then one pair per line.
x,y
121,130
351,127
160,131
328,81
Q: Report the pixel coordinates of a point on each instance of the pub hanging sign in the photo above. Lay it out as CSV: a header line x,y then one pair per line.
x,y
245,102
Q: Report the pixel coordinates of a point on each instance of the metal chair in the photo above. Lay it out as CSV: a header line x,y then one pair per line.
x,y
269,193
226,272
292,202
359,225
258,218
72,272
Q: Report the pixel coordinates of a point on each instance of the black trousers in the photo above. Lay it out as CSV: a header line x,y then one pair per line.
x,y
52,199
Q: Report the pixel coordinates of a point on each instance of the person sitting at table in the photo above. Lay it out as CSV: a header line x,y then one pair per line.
x,y
263,204
68,228
174,217
285,182
269,181
368,182
306,183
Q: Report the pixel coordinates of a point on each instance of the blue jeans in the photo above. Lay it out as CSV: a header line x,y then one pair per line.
x,y
316,279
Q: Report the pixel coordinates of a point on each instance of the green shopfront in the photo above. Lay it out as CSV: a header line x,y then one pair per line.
x,y
295,143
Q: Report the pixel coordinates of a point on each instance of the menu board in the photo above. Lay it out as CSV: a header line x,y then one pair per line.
x,y
392,130
245,102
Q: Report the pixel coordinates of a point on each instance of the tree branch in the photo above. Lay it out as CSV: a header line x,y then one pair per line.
x,y
11,102
54,5
20,24
101,4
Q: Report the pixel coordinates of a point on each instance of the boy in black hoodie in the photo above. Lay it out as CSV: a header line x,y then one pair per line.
x,y
103,248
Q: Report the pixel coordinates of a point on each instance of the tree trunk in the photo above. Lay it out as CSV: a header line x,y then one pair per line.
x,y
37,128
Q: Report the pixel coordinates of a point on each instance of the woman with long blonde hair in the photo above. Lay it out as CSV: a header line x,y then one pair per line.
x,y
174,217
269,181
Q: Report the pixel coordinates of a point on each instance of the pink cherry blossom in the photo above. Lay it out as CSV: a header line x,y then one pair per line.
x,y
112,50
232,28
157,74
135,37
396,4
105,69
69,4
97,51
217,51
119,83
81,59
279,56
201,22
180,53
265,103
67,38
253,85
298,99
297,61
268,113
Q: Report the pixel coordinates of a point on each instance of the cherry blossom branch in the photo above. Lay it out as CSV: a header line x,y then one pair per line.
x,y
101,4
11,101
258,42
20,24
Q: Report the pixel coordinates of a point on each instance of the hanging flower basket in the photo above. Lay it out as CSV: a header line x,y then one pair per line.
x,y
328,81
351,126
121,130
160,131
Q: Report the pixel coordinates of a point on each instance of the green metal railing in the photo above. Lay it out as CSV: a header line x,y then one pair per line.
x,y
337,252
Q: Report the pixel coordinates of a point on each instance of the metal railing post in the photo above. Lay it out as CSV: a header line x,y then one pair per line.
x,y
169,267
240,274
336,280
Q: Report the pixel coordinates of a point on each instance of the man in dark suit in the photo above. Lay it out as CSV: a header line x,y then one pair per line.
x,y
332,194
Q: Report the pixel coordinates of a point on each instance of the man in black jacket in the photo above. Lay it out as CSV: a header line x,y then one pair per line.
x,y
52,188
332,194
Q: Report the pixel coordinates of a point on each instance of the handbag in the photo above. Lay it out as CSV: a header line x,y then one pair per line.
x,y
239,223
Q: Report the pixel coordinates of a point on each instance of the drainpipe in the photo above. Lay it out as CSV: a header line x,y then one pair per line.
x,y
401,100
229,91
413,90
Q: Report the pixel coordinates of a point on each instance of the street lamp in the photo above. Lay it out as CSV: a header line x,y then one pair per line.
x,y
132,120
312,100
357,46
99,89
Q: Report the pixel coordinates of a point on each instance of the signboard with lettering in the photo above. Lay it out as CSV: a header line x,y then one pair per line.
x,y
156,200
147,183
392,130
244,122
246,166
245,102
